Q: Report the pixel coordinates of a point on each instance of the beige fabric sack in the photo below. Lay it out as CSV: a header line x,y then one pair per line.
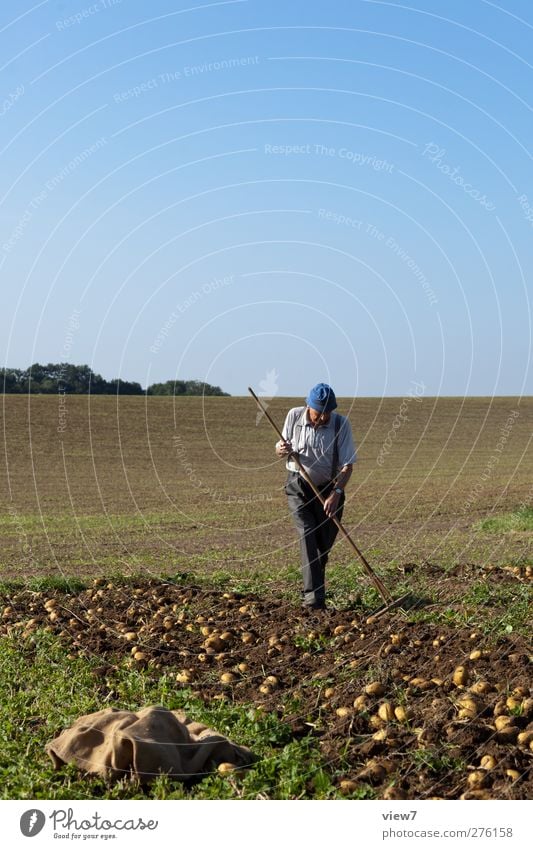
x,y
116,743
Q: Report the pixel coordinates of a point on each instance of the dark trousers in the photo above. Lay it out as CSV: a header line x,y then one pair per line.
x,y
316,531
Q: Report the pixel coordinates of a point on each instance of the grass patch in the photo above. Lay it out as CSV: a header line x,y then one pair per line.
x,y
42,692
518,520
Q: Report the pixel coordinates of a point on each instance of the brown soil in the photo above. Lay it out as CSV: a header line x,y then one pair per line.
x,y
319,664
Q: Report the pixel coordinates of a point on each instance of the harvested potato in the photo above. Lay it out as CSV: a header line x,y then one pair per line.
x,y
481,688
375,688
507,735
183,677
460,676
229,769
502,721
402,713
380,735
386,712
348,786
525,738
468,707
478,778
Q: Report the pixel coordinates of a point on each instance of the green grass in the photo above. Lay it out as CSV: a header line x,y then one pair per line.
x,y
436,761
519,520
32,523
43,692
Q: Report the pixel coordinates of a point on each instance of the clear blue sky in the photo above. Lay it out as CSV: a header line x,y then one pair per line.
x,y
335,191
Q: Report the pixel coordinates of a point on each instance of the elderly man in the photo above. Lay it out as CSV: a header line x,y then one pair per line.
x,y
324,444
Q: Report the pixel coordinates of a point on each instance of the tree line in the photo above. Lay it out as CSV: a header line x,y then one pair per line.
x,y
81,380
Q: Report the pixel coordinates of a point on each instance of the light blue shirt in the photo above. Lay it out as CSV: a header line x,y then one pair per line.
x,y
315,446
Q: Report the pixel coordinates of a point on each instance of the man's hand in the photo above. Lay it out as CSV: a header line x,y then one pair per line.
x,y
283,448
331,504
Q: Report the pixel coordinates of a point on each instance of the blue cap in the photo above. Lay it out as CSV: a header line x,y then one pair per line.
x,y
321,398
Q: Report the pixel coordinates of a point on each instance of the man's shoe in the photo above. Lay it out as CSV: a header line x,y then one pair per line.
x,y
313,608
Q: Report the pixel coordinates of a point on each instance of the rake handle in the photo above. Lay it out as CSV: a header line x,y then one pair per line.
x,y
378,583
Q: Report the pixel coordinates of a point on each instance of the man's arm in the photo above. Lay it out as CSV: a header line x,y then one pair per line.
x,y
344,475
332,501
283,447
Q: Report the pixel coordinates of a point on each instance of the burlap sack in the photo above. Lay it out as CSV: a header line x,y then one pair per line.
x,y
114,743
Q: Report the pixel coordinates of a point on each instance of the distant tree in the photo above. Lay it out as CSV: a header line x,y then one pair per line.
x,y
11,380
184,387
81,380
124,387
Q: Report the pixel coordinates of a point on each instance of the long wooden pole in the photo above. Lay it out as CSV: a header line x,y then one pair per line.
x,y
378,583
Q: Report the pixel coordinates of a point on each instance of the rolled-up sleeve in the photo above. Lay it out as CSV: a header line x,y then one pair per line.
x,y
347,451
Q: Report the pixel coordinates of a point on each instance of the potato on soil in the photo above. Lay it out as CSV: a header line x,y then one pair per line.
x,y
140,656
421,684
481,688
380,735
468,707
507,735
386,712
487,762
375,688
525,738
392,792
478,778
476,794
228,677
229,769
502,721
460,676
183,677
374,773
348,786
402,713
344,711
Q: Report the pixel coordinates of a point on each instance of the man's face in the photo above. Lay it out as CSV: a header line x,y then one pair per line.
x,y
317,418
